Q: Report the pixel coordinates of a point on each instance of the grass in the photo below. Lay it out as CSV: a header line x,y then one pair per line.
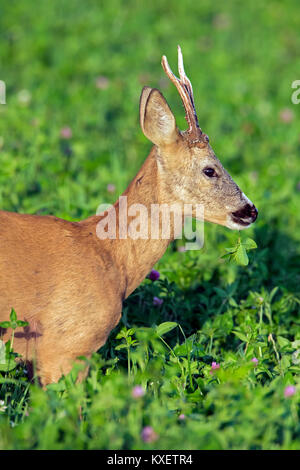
x,y
82,66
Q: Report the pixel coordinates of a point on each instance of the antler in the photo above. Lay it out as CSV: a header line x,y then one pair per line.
x,y
185,89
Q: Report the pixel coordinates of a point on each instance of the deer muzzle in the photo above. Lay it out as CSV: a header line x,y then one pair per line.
x,y
245,216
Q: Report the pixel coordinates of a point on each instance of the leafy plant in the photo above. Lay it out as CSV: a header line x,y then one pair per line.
x,y
238,252
214,364
7,356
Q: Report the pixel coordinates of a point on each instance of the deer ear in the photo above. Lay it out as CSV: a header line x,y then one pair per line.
x,y
156,118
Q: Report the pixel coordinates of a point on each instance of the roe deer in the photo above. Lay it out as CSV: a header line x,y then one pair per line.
x,y
69,284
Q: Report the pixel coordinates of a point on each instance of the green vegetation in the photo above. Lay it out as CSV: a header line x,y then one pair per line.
x,y
215,365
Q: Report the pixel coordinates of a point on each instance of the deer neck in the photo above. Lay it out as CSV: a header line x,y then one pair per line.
x,y
138,256
134,258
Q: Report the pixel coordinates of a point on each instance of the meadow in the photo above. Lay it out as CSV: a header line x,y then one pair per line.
x,y
206,356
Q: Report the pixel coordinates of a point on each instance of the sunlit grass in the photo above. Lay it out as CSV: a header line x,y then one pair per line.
x,y
206,355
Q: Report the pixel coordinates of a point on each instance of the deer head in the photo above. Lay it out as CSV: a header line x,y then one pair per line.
x,y
189,170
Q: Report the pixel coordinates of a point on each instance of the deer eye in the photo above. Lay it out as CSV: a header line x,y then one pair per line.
x,y
210,172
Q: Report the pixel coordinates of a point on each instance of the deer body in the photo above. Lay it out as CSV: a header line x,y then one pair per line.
x,y
69,284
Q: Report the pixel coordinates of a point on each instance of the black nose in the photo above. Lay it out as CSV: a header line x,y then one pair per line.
x,y
246,215
254,213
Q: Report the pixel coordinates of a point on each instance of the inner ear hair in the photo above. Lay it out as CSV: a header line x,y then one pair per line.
x,y
143,100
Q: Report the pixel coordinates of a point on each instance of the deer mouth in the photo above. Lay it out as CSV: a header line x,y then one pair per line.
x,y
245,216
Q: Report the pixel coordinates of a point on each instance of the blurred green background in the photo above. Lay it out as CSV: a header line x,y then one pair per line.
x,y
70,140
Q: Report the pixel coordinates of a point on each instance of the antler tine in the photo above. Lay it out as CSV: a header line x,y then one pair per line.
x,y
182,74
173,78
187,84
185,90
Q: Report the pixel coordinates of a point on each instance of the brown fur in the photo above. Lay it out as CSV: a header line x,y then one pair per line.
x,y
67,283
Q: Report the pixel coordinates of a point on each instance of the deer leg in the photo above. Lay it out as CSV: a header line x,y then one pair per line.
x,y
51,367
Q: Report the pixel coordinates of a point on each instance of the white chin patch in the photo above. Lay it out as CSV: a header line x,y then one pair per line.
x,y
234,225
